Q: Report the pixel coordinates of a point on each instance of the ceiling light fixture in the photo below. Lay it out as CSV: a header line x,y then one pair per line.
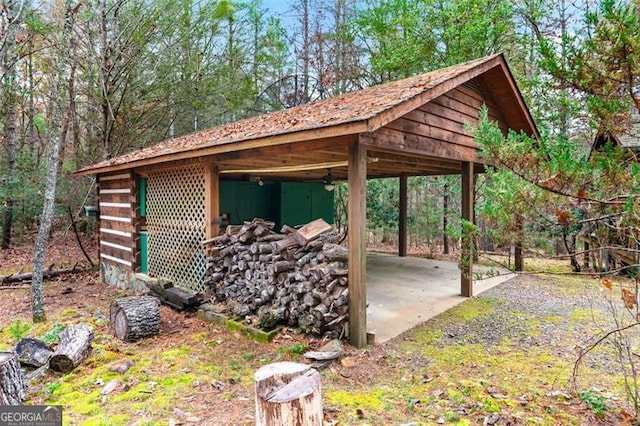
x,y
328,181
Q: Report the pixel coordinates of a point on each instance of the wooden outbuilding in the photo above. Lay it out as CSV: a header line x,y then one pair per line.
x,y
416,126
629,139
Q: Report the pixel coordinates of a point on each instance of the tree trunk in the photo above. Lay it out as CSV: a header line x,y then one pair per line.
x,y
12,390
74,347
59,118
288,393
134,318
8,73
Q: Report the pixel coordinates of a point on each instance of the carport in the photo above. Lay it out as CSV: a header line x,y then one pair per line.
x,y
403,292
412,127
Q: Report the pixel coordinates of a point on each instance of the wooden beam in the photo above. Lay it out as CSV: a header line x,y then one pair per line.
x,y
466,253
318,137
357,220
211,200
402,223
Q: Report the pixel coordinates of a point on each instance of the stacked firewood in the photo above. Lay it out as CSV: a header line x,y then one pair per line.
x,y
296,277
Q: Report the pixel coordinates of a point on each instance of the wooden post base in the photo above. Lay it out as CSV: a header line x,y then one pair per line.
x,y
288,393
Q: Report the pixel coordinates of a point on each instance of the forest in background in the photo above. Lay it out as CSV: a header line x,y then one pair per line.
x,y
84,81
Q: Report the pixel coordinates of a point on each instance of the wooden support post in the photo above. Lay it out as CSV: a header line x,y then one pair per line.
x,y
402,223
466,253
357,225
211,200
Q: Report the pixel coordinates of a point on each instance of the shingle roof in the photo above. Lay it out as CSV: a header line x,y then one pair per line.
x,y
358,106
631,138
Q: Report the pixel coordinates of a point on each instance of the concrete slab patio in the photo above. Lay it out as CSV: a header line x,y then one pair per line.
x,y
403,292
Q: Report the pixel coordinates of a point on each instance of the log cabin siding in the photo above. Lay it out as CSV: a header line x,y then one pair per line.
x,y
117,203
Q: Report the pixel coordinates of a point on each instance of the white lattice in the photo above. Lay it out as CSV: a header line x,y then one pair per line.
x,y
176,225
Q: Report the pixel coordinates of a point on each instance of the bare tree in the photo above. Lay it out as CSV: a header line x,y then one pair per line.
x,y
56,135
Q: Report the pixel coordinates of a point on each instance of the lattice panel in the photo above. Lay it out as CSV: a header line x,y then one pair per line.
x,y
176,225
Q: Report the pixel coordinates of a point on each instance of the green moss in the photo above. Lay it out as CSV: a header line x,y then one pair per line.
x,y
174,354
585,315
140,392
164,403
252,332
199,337
106,420
101,354
472,309
374,399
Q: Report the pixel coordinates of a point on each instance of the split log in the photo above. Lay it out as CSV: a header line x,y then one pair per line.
x,y
73,348
288,393
271,237
33,352
12,389
311,230
334,252
134,318
286,229
284,244
272,273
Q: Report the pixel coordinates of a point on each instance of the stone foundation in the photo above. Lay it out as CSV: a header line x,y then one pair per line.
x,y
123,279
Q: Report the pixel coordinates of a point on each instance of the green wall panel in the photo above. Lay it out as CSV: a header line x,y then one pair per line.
x,y
143,252
246,200
300,203
288,203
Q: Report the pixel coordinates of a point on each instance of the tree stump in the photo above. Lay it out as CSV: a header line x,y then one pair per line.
x,y
134,318
11,381
288,393
73,348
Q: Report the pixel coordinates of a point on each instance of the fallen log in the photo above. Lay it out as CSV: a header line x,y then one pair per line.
x,y
33,352
12,390
134,318
73,348
288,393
46,274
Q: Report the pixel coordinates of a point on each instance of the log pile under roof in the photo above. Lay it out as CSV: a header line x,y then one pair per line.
x,y
296,277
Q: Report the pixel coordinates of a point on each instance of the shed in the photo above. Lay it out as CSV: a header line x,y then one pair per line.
x,y
629,139
416,126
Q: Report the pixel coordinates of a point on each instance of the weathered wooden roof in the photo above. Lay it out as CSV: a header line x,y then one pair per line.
x,y
629,139
362,111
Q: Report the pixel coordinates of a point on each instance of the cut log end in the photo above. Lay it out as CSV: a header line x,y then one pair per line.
x,y
134,318
288,393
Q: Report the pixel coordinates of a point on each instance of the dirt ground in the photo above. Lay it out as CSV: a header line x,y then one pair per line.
x,y
505,358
